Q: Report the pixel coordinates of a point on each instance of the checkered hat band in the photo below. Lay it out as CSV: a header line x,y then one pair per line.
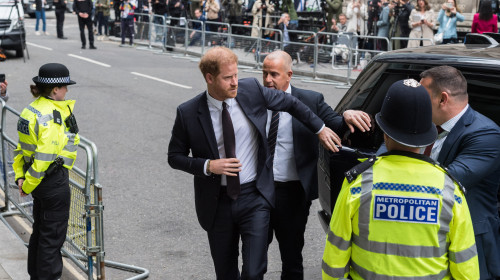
x,y
59,80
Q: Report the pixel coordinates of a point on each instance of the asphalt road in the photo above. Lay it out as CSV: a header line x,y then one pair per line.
x,y
150,218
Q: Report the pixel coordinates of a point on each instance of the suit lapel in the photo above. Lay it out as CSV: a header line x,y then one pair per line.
x,y
456,132
207,126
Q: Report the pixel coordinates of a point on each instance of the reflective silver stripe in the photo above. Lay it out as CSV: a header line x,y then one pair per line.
x,y
27,159
27,147
338,241
446,210
399,249
36,129
34,111
70,148
35,174
334,272
365,202
45,157
16,153
366,274
464,255
45,118
68,161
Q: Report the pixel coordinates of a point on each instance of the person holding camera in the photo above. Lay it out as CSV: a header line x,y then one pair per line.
x,y
357,15
333,9
402,11
261,9
447,18
211,9
48,142
422,22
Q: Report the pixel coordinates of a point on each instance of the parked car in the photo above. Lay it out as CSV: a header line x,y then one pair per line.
x,y
30,7
12,33
480,65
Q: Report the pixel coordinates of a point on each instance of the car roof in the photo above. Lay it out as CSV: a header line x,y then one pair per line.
x,y
470,55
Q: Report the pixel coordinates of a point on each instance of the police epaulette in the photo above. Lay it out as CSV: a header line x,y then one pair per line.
x,y
460,186
353,173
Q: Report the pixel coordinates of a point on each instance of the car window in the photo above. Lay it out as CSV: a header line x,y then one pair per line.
x,y
484,94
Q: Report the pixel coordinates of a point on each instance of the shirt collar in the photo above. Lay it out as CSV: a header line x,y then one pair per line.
x,y
217,103
289,89
448,125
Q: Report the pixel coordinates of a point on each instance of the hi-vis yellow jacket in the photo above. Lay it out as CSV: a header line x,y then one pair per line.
x,y
43,137
401,218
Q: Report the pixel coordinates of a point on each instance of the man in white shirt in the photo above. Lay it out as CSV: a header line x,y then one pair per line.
x,y
295,160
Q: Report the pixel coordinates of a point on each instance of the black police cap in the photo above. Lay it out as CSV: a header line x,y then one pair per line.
x,y
53,74
406,114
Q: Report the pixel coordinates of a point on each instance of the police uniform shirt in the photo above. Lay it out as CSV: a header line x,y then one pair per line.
x,y
245,135
447,127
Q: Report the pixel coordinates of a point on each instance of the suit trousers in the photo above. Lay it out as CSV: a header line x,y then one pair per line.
x,y
288,221
51,203
60,21
248,217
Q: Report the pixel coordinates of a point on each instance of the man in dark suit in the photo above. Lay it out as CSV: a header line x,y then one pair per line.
x,y
229,158
468,145
295,161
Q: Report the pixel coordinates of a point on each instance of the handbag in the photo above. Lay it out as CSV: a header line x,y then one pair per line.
x,y
438,37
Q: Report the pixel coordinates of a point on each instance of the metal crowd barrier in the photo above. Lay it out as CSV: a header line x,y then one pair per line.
x,y
321,57
84,244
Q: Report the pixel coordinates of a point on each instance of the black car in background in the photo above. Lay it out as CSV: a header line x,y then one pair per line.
x,y
480,65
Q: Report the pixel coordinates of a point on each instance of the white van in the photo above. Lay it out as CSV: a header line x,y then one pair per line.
x,y
11,26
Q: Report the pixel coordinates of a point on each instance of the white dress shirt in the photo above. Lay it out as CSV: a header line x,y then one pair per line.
x,y
284,166
447,127
245,135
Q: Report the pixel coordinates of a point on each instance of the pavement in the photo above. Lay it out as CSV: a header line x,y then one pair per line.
x,y
13,256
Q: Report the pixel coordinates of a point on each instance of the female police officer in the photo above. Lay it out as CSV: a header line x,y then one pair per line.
x,y
48,140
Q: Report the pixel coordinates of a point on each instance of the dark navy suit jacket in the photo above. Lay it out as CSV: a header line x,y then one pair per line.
x,y
471,152
305,142
193,141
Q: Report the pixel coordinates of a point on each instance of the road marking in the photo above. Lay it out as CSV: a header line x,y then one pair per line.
x,y
89,60
160,80
38,46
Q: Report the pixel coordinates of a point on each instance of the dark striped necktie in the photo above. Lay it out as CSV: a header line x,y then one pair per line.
x,y
233,182
273,133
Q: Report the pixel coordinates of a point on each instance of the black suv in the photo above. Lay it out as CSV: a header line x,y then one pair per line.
x,y
480,65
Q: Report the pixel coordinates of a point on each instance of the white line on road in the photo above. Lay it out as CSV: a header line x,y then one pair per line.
x,y
89,60
160,80
38,46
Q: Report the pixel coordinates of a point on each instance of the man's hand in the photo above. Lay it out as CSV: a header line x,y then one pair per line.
x,y
359,119
20,185
329,139
225,166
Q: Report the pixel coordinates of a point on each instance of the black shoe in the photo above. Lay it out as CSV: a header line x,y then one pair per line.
x,y
92,47
64,38
83,47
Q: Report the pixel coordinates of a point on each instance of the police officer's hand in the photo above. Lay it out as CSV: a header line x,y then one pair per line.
x,y
20,185
329,139
226,166
359,119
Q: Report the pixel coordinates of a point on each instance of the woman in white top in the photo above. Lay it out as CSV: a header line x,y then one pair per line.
x,y
357,14
422,21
